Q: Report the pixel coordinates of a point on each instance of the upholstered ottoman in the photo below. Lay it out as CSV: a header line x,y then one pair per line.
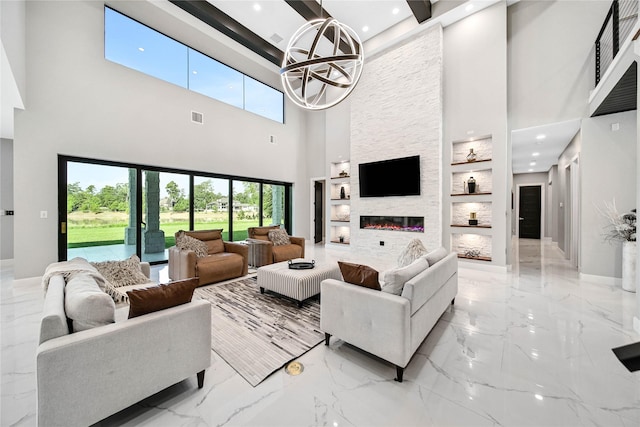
x,y
296,284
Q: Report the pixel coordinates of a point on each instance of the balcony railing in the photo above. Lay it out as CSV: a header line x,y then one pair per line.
x,y
617,26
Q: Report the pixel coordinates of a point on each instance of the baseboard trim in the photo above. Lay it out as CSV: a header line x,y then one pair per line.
x,y
601,280
481,266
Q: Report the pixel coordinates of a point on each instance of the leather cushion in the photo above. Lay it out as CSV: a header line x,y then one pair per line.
x,y
156,298
286,252
215,246
358,274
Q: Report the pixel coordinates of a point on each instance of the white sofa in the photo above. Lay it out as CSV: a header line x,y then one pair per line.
x,y
86,376
389,326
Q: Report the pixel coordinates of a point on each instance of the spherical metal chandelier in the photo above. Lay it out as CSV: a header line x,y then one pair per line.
x,y
324,73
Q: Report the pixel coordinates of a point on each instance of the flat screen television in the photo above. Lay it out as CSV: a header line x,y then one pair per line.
x,y
394,177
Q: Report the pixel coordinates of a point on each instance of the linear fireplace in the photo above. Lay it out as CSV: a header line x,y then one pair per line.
x,y
414,224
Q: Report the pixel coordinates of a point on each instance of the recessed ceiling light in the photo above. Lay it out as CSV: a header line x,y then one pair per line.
x,y
395,11
538,396
365,29
536,154
469,8
532,164
141,49
530,170
541,137
257,7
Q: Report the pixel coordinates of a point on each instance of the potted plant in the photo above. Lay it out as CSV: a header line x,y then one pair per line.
x,y
622,227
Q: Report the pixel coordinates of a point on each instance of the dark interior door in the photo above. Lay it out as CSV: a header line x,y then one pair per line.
x,y
319,212
530,210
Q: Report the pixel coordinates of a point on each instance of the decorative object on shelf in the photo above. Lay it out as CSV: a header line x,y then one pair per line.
x,y
322,64
302,265
622,227
473,220
471,157
343,195
471,185
341,239
343,174
472,253
343,216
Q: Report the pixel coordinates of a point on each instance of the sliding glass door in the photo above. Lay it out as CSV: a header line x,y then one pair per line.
x,y
100,211
110,211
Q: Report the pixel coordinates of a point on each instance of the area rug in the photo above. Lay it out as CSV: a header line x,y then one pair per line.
x,y
256,333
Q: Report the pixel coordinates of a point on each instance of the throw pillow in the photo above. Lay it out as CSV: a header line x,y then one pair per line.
x,y
395,279
122,273
358,274
414,250
279,237
436,255
86,304
185,242
156,298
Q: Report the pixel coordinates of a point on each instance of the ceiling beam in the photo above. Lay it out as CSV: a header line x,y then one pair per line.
x,y
421,9
310,10
211,15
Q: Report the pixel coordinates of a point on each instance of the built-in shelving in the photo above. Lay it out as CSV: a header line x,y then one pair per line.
x,y
339,197
465,238
477,258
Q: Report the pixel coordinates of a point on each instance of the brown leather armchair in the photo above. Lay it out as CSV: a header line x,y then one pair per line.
x,y
226,260
271,253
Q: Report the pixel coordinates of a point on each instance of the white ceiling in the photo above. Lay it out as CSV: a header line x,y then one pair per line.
x,y
541,145
269,17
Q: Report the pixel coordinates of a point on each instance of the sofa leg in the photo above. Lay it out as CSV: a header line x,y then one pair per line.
x,y
399,372
200,379
327,337
261,290
453,301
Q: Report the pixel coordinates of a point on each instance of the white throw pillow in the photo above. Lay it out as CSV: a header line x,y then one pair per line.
x,y
414,250
436,255
86,305
395,279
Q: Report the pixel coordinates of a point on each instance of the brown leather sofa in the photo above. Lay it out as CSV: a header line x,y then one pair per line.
x,y
273,254
226,260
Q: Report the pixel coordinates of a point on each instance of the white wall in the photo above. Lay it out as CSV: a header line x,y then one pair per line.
x,y
551,59
570,152
12,35
608,168
475,99
6,198
82,105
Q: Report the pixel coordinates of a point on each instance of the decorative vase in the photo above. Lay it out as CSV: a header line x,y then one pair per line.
x,y
473,219
342,193
471,157
471,185
341,239
629,250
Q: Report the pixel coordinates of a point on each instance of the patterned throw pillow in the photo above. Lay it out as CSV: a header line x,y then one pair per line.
x,y
279,237
186,242
414,250
122,273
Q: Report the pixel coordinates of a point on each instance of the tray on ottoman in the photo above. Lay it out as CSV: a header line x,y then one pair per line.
x,y
296,284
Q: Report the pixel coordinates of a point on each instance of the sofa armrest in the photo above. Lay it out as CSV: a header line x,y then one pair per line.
x,y
375,321
182,263
146,269
239,249
298,241
106,369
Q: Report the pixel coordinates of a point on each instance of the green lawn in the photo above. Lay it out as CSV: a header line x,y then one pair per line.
x,y
113,234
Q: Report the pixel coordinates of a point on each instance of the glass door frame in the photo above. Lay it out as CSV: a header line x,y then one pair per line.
x,y
62,197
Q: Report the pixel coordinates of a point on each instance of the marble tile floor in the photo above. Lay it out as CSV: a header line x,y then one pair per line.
x,y
531,347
